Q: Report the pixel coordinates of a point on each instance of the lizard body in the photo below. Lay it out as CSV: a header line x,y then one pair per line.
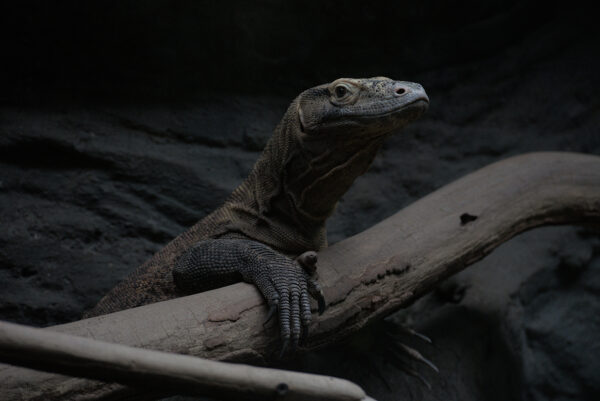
x,y
329,135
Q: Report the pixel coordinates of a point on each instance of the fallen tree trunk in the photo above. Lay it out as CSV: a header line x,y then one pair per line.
x,y
365,277
164,372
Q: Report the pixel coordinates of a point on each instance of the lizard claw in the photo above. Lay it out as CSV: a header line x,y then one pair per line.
x,y
317,293
398,353
304,334
321,302
418,335
284,348
416,355
399,363
271,313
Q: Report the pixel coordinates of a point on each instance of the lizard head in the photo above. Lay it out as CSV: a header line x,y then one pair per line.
x,y
329,136
365,107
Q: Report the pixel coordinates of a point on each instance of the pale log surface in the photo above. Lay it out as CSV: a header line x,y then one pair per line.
x,y
64,353
374,273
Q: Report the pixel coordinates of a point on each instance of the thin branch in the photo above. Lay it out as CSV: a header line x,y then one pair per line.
x,y
365,277
163,372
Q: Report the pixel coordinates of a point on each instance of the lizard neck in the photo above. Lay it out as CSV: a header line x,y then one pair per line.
x,y
296,183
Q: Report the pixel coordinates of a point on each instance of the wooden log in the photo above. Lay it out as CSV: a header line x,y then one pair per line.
x,y
365,277
83,357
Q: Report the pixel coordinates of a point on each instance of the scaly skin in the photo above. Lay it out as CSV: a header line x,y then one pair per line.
x,y
329,135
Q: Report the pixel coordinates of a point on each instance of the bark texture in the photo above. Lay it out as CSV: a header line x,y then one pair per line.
x,y
364,277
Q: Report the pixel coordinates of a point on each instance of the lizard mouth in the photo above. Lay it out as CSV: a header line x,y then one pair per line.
x,y
421,103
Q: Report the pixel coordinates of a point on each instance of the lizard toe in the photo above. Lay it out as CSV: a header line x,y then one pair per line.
x,y
317,293
284,320
295,319
305,314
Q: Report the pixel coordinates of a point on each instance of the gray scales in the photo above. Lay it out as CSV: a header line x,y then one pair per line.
x,y
268,229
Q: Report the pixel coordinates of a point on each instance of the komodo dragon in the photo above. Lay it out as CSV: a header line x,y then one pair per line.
x,y
329,136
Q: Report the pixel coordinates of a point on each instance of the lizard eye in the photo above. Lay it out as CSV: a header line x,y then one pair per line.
x,y
340,91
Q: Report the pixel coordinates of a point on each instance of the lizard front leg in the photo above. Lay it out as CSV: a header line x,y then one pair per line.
x,y
285,283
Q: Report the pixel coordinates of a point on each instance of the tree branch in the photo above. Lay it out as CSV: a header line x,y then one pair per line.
x,y
365,277
161,371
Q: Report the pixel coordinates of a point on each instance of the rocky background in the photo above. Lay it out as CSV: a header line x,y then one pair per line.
x,y
123,123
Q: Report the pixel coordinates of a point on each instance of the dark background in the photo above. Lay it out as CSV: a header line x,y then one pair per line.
x,y
123,123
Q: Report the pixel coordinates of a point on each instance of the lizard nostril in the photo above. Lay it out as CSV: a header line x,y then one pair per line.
x,y
400,91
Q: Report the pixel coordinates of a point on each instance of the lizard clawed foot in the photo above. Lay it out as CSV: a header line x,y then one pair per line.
x,y
399,352
287,285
